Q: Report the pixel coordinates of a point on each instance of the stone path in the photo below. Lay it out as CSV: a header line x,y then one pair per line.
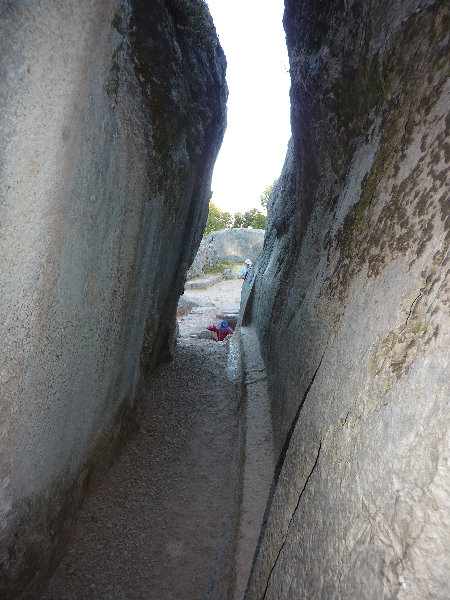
x,y
160,525
213,302
178,515
258,463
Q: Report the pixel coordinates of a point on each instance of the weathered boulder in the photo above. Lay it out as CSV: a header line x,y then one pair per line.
x,y
350,299
235,245
111,117
185,305
196,268
207,256
232,245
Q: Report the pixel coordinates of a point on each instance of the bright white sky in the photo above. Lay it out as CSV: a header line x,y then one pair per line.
x,y
253,151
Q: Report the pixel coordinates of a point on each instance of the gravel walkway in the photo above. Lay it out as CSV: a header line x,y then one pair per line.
x,y
160,525
212,302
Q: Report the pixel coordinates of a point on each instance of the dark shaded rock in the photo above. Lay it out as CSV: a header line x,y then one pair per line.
x,y
111,117
350,300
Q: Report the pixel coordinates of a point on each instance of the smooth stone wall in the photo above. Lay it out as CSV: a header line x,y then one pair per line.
x,y
111,117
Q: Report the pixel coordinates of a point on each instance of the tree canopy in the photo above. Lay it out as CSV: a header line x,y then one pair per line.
x,y
245,219
264,198
259,222
217,219
254,218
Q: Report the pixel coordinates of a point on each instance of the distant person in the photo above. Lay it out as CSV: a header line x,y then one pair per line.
x,y
221,332
245,268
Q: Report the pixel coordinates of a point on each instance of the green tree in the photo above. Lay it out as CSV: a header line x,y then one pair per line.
x,y
250,215
264,198
245,219
251,218
238,220
259,222
217,219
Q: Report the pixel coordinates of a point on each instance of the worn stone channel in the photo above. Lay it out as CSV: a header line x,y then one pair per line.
x,y
178,515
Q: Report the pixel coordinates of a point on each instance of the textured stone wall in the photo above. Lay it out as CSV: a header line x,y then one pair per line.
x,y
235,245
232,245
111,117
350,298
207,256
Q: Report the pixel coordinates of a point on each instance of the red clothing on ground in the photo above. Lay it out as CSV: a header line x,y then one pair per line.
x,y
221,333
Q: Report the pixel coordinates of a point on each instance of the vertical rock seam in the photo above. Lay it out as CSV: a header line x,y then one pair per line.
x,y
290,521
355,270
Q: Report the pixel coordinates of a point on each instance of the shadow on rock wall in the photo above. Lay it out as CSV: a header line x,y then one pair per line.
x,y
112,114
350,300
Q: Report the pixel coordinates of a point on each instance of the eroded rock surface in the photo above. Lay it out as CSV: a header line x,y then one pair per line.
x,y
235,245
232,245
111,117
351,301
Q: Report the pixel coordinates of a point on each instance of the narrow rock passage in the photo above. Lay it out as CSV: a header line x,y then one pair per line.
x,y
160,524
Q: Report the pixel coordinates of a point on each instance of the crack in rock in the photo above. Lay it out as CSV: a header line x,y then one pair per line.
x,y
279,467
292,517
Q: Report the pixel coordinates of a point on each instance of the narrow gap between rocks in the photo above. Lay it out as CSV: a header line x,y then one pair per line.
x,y
166,522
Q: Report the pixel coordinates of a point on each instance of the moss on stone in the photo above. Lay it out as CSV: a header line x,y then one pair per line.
x,y
193,17
399,348
405,220
374,87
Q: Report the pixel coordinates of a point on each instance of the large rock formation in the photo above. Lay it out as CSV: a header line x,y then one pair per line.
x,y
235,245
350,299
111,116
232,245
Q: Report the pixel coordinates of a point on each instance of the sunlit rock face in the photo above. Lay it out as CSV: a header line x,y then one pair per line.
x,y
231,245
351,302
111,117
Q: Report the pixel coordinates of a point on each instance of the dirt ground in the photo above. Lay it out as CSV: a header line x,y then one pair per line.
x,y
220,298
160,524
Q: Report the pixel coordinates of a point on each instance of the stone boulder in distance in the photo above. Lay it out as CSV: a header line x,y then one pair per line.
x,y
207,256
232,245
235,245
